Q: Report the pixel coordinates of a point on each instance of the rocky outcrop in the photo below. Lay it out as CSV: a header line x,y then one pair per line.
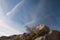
x,y
51,35
42,27
41,32
55,35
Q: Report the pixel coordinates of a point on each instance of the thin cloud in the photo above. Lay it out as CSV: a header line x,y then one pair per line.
x,y
34,12
30,23
6,29
15,8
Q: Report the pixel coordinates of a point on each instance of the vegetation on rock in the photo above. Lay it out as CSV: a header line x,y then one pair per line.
x,y
34,33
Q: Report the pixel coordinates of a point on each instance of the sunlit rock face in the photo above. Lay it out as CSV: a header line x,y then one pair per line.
x,y
52,34
42,27
40,38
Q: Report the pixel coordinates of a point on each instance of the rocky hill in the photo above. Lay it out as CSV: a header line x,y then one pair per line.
x,y
41,32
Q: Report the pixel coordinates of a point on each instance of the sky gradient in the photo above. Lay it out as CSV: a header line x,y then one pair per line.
x,y
16,14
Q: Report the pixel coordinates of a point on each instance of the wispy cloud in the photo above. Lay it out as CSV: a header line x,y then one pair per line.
x,y
19,5
30,23
38,13
5,28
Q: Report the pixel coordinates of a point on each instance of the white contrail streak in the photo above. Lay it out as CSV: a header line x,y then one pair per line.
x,y
19,5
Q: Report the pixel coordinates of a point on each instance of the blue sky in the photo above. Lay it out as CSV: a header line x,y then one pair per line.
x,y
16,14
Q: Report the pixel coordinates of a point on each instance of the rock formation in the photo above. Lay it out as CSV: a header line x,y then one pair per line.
x,y
51,35
41,32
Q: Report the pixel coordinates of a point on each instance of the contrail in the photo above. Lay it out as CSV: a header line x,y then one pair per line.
x,y
19,5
